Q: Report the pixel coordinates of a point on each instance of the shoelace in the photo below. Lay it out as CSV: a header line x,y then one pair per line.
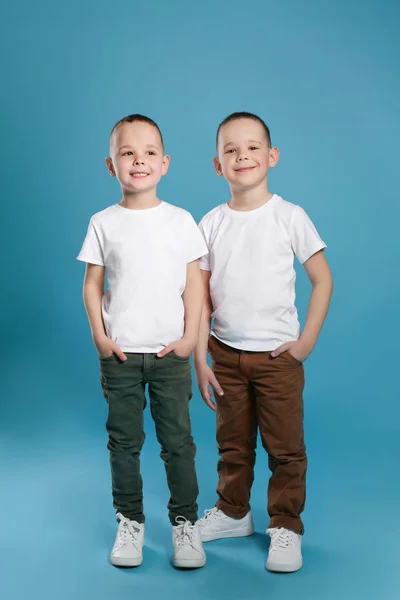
x,y
209,515
185,531
129,531
281,538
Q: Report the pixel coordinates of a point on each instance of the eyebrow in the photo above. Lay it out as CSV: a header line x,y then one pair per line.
x,y
147,146
249,141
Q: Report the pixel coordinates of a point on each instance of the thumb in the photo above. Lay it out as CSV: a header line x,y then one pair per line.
x,y
217,388
117,350
165,350
280,350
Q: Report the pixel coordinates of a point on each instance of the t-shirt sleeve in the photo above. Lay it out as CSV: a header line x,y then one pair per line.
x,y
304,237
205,259
91,251
195,246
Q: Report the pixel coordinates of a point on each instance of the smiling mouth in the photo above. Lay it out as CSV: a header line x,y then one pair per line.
x,y
244,170
139,175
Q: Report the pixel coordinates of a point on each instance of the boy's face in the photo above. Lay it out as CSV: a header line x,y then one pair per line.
x,y
244,154
137,157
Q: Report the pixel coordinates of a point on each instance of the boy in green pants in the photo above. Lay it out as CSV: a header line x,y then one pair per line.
x,y
145,326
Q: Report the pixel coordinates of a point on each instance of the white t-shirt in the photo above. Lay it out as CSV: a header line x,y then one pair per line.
x,y
146,253
252,284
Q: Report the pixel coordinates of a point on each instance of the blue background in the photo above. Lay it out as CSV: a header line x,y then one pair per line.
x,y
324,77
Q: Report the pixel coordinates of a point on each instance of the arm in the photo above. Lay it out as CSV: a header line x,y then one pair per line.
x,y
192,301
93,290
204,374
200,353
320,276
321,281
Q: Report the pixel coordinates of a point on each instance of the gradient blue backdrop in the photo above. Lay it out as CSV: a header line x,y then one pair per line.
x,y
324,75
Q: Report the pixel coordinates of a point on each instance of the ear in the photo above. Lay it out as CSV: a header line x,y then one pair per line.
x,y
110,167
165,164
273,157
217,166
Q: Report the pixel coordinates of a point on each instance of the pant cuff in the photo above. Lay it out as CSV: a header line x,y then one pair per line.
x,y
235,512
191,517
132,517
292,523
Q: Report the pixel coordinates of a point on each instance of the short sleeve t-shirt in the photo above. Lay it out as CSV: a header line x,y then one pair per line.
x,y
146,253
252,283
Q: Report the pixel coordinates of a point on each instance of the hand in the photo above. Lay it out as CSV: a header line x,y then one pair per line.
x,y
106,348
298,349
206,380
182,348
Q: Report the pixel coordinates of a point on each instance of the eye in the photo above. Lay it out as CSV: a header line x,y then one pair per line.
x,y
151,153
254,148
127,153
230,151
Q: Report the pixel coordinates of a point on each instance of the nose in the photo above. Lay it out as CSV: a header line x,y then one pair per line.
x,y
242,155
138,160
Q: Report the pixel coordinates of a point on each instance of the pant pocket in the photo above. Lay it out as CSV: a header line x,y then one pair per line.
x,y
180,358
103,386
292,359
107,358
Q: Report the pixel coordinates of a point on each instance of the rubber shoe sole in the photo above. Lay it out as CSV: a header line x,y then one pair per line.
x,y
126,562
229,533
191,563
278,568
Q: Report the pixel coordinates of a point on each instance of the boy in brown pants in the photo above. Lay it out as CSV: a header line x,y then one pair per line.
x,y
255,344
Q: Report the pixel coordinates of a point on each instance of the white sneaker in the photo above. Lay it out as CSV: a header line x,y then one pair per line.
x,y
188,549
216,525
285,551
127,549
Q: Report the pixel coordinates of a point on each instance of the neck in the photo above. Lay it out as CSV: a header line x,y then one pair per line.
x,y
140,200
250,198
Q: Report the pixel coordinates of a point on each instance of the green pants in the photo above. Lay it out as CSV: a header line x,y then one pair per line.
x,y
170,389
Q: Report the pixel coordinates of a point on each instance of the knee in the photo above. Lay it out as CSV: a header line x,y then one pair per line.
x,y
125,443
289,455
177,447
237,446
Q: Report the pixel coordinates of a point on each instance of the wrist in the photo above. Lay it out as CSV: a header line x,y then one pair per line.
x,y
99,337
190,338
307,341
200,361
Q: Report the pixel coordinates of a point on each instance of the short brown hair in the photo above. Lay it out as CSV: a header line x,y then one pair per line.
x,y
245,115
138,118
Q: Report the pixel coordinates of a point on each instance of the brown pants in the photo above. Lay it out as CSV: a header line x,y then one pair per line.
x,y
265,393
